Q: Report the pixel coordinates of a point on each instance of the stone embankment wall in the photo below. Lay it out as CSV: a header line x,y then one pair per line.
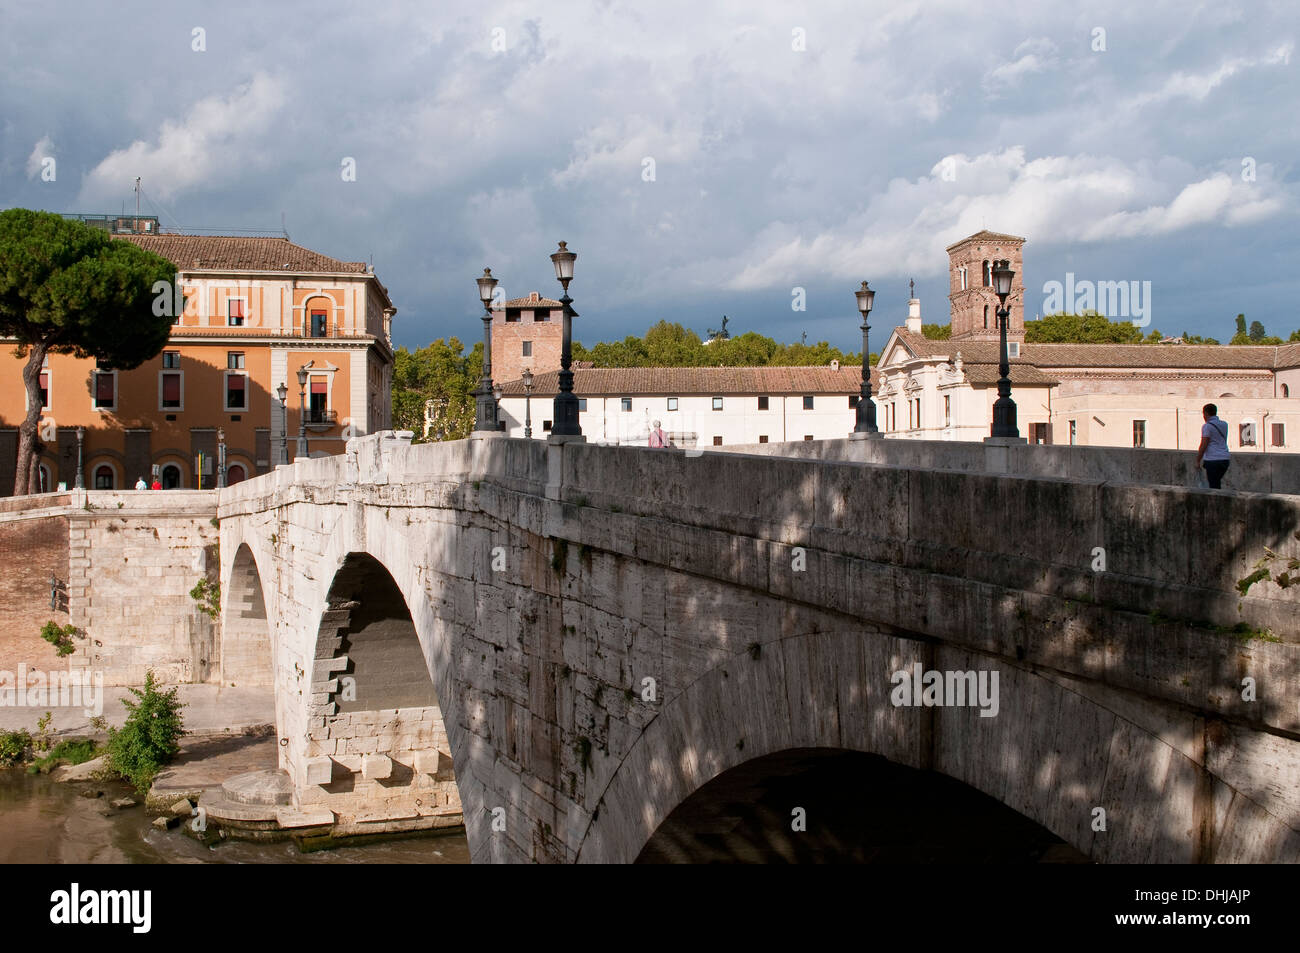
x,y
131,560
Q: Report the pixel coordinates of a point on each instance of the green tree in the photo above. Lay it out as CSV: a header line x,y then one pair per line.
x,y
67,288
1257,332
1295,335
1197,339
149,738
937,332
672,345
1087,328
442,373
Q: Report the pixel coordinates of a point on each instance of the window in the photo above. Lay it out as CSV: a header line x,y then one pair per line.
x,y
1286,390
512,316
318,324
918,412
318,409
717,403
45,390
235,360
987,274
1246,434
235,312
717,441
1074,432
103,477
235,473
1279,435
1038,433
626,404
807,402
672,403
171,359
947,410
171,477
105,389
186,298
762,438
527,349
911,415
807,436
170,396
853,401
1139,433
582,405
546,425
541,315
1013,349
762,402
236,391
961,274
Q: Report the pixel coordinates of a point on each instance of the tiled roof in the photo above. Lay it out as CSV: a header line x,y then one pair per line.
x,y
533,301
1192,356
682,381
241,253
1288,355
984,235
1018,374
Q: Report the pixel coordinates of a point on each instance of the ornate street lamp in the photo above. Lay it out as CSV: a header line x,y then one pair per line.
x,y
283,393
566,404
1004,408
866,408
528,394
485,408
496,406
81,438
221,459
302,414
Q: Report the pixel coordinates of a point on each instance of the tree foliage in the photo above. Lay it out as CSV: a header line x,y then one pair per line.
x,y
1090,327
149,738
67,288
673,345
442,373
936,332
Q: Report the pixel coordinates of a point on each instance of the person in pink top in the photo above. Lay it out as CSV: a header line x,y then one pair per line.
x,y
657,437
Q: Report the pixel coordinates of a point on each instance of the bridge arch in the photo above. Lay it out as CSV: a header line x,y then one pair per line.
x,y
247,636
827,805
1053,753
376,746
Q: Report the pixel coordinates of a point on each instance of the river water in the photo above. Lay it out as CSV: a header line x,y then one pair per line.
x,y
46,822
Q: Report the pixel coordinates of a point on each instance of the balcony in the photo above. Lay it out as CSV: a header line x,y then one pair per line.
x,y
321,419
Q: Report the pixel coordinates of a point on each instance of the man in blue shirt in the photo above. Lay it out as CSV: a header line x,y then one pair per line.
x,y
1214,446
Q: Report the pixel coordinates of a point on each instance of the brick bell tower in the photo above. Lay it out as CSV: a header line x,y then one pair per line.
x,y
527,333
970,277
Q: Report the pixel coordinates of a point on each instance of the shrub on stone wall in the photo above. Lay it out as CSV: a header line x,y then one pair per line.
x,y
60,637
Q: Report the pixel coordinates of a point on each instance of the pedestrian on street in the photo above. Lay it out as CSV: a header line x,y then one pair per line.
x,y
141,485
1214,447
657,437
156,485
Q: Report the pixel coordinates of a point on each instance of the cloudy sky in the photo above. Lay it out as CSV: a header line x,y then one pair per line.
x,y
701,158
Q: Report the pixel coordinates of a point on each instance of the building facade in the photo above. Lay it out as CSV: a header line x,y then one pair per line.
x,y
254,311
696,406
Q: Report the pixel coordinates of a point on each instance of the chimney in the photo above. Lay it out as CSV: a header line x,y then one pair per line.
x,y
914,315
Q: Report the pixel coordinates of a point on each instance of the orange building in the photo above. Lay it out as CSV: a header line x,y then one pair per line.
x,y
255,312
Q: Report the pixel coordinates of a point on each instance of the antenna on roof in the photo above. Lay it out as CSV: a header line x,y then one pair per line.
x,y
137,196
283,227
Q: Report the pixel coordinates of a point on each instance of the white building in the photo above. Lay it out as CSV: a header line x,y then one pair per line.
x,y
696,406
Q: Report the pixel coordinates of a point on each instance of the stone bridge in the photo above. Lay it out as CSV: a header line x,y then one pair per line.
x,y
568,641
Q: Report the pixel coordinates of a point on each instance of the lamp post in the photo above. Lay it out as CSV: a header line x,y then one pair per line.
x,y
302,413
566,404
528,396
485,408
81,439
283,393
221,459
866,408
1004,408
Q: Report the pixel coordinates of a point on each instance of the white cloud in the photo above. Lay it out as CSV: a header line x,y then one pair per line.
x,y
1051,199
1197,86
1032,56
216,142
43,149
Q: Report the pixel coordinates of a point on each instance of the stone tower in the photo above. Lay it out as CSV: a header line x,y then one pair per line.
x,y
970,277
527,333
